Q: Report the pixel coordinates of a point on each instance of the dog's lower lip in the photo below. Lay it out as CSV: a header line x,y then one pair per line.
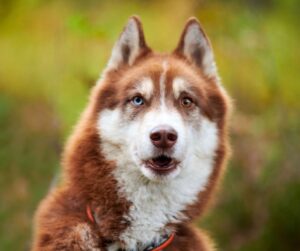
x,y
161,164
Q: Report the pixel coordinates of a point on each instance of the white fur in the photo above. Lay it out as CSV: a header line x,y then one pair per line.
x,y
145,87
114,247
179,85
195,38
129,37
85,239
162,82
156,201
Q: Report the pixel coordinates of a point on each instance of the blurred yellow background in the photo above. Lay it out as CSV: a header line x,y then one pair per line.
x,y
52,52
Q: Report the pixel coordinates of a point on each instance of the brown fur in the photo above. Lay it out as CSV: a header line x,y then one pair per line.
x,y
61,222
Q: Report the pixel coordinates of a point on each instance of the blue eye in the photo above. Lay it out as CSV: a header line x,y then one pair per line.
x,y
137,101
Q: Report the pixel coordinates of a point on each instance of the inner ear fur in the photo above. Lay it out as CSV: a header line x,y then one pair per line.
x,y
130,45
195,46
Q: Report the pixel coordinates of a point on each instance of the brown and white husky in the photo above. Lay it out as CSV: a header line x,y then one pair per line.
x,y
146,155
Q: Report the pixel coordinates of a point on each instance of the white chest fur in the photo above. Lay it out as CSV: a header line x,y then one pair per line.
x,y
155,204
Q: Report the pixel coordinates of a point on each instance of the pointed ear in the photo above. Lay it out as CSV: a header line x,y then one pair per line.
x,y
130,46
195,46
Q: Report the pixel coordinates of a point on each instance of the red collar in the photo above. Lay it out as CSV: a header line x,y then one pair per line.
x,y
90,214
166,241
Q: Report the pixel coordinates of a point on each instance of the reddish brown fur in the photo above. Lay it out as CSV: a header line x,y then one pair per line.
x,y
88,176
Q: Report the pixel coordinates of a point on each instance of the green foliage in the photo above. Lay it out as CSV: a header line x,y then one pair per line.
x,y
51,53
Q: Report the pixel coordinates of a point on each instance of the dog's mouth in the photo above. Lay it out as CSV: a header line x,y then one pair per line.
x,y
162,164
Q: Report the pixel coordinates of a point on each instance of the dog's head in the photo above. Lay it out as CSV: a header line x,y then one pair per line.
x,y
160,114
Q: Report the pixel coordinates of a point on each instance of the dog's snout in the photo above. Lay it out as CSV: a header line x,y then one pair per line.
x,y
163,136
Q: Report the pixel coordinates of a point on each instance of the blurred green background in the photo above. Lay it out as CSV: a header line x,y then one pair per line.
x,y
51,53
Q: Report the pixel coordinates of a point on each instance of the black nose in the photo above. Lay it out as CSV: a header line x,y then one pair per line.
x,y
163,136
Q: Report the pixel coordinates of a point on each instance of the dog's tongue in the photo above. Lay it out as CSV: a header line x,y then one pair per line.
x,y
162,161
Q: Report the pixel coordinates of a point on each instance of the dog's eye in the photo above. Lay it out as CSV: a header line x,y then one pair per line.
x,y
137,101
186,102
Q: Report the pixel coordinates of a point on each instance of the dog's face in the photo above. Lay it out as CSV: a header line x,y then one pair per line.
x,y
160,113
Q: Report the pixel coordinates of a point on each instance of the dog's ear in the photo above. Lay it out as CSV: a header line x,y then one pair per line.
x,y
130,45
195,46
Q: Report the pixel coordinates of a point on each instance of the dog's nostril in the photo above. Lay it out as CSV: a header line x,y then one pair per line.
x,y
155,136
172,136
163,136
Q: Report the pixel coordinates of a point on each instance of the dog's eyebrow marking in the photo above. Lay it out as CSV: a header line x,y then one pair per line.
x,y
162,82
145,87
179,85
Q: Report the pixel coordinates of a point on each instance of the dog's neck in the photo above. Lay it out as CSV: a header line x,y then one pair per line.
x,y
157,206
157,244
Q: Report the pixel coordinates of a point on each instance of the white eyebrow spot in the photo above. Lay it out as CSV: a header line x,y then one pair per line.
x,y
162,82
179,85
145,87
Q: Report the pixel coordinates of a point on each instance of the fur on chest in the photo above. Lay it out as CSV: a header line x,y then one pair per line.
x,y
155,207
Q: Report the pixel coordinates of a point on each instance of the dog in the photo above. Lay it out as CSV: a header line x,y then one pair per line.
x,y
147,154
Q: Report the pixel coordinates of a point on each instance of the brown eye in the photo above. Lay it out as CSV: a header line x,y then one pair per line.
x,y
187,102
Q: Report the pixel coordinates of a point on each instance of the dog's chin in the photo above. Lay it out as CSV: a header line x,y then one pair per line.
x,y
161,168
